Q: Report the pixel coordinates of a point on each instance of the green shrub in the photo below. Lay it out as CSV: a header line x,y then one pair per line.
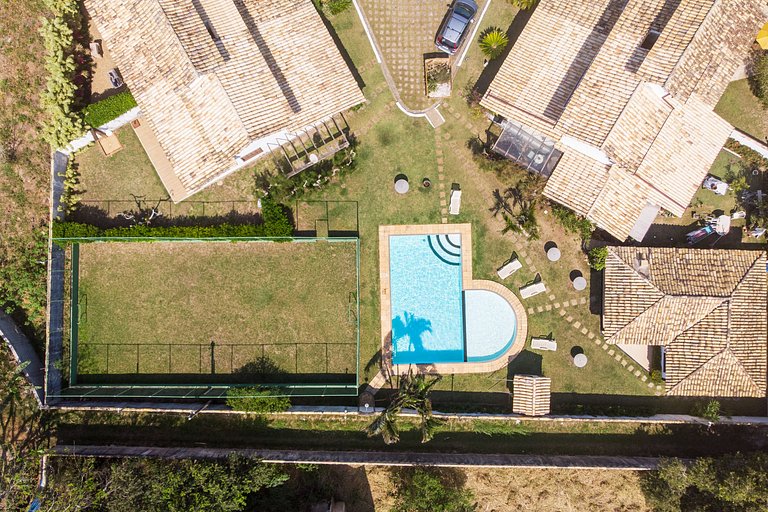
x,y
733,482
751,158
430,490
572,222
332,7
708,410
656,377
258,400
63,123
276,223
104,111
524,4
493,42
597,257
758,81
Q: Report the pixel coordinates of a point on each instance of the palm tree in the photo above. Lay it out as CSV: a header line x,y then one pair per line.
x,y
413,394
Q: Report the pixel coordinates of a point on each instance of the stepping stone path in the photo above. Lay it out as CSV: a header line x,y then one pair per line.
x,y
441,183
616,354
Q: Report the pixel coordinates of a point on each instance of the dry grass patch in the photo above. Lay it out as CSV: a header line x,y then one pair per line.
x,y
551,490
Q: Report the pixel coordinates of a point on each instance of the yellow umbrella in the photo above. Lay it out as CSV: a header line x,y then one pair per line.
x,y
762,37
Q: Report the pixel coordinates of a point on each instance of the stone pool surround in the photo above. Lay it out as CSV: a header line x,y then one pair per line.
x,y
468,283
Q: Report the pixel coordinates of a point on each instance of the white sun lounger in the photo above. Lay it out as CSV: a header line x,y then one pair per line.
x,y
543,344
509,268
532,289
455,201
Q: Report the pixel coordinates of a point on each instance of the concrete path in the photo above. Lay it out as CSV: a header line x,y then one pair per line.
x,y
23,351
373,458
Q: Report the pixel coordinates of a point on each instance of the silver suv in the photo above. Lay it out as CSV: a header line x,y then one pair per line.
x,y
455,26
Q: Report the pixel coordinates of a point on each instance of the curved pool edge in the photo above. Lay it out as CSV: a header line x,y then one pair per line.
x,y
502,360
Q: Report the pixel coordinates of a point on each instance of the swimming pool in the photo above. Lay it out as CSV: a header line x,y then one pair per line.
x,y
426,298
434,319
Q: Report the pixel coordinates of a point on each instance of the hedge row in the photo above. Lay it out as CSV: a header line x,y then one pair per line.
x,y
752,158
275,223
104,111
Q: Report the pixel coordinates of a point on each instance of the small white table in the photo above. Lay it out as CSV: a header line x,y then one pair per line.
x,y
553,254
580,360
401,186
580,283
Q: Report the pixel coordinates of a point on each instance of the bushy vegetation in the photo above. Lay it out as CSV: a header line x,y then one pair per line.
x,y
413,394
524,4
332,7
99,113
597,257
273,182
517,206
64,121
276,223
572,222
430,490
750,157
438,74
22,279
493,42
153,484
258,400
709,410
729,483
71,194
758,80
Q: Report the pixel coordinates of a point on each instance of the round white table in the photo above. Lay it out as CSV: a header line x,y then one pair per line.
x,y
580,283
553,254
580,360
401,186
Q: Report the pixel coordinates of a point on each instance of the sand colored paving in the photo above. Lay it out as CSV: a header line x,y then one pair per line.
x,y
405,31
468,283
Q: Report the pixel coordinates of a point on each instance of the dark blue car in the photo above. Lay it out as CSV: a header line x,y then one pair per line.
x,y
455,26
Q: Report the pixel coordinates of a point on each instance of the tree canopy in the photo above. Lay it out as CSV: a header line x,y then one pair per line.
x,y
737,483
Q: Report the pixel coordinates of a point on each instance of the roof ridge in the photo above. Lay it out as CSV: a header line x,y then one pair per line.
x,y
749,269
688,46
724,352
641,316
611,249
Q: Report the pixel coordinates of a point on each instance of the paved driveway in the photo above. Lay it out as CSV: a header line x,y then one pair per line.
x,y
405,31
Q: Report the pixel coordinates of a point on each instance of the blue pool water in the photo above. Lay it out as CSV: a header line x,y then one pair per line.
x,y
426,298
433,319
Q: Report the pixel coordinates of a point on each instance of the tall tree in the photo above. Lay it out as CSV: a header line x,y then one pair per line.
x,y
413,394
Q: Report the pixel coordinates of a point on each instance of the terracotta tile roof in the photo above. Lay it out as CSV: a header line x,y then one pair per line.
x,y
213,76
708,307
650,111
574,187
531,395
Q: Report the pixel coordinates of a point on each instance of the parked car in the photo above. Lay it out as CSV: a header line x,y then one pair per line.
x,y
455,26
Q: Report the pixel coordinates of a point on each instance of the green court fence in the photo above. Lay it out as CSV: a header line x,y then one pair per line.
x,y
208,389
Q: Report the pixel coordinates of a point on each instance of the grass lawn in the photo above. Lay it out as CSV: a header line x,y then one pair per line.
x,y
743,110
284,301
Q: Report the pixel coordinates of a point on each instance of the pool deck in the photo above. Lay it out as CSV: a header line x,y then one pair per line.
x,y
468,283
